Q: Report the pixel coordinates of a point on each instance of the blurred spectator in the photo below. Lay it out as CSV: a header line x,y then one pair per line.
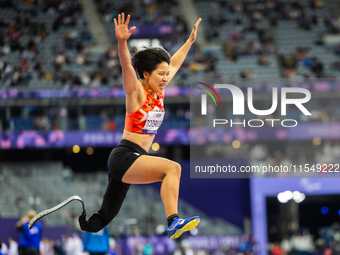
x,y
30,238
42,122
248,245
286,245
288,64
13,247
112,243
60,59
46,247
263,60
97,243
276,249
302,244
58,247
317,68
3,248
73,245
247,74
67,174
320,247
40,69
82,122
258,154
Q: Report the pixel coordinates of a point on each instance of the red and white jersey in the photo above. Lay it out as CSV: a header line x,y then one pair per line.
x,y
148,118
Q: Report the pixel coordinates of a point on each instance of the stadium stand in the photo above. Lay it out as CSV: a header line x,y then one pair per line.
x,y
253,39
48,45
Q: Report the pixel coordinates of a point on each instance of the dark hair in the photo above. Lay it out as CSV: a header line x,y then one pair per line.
x,y
148,59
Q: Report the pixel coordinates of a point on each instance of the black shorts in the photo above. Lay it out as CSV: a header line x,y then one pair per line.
x,y
122,157
28,251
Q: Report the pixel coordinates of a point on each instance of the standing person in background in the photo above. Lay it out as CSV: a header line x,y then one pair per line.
x,y
1,248
97,243
128,162
73,245
29,243
46,247
13,247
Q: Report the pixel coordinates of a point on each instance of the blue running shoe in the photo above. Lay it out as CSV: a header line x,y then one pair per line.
x,y
179,226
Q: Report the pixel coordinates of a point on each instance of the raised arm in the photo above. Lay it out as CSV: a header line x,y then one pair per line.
x,y
178,58
130,81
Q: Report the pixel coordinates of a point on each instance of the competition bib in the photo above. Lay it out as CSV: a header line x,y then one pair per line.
x,y
153,121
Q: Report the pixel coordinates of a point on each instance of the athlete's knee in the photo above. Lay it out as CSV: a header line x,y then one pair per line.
x,y
175,169
178,169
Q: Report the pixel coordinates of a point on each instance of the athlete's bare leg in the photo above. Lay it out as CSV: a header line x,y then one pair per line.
x,y
149,169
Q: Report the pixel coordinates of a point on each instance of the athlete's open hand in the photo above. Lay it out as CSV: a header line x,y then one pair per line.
x,y
122,31
193,34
